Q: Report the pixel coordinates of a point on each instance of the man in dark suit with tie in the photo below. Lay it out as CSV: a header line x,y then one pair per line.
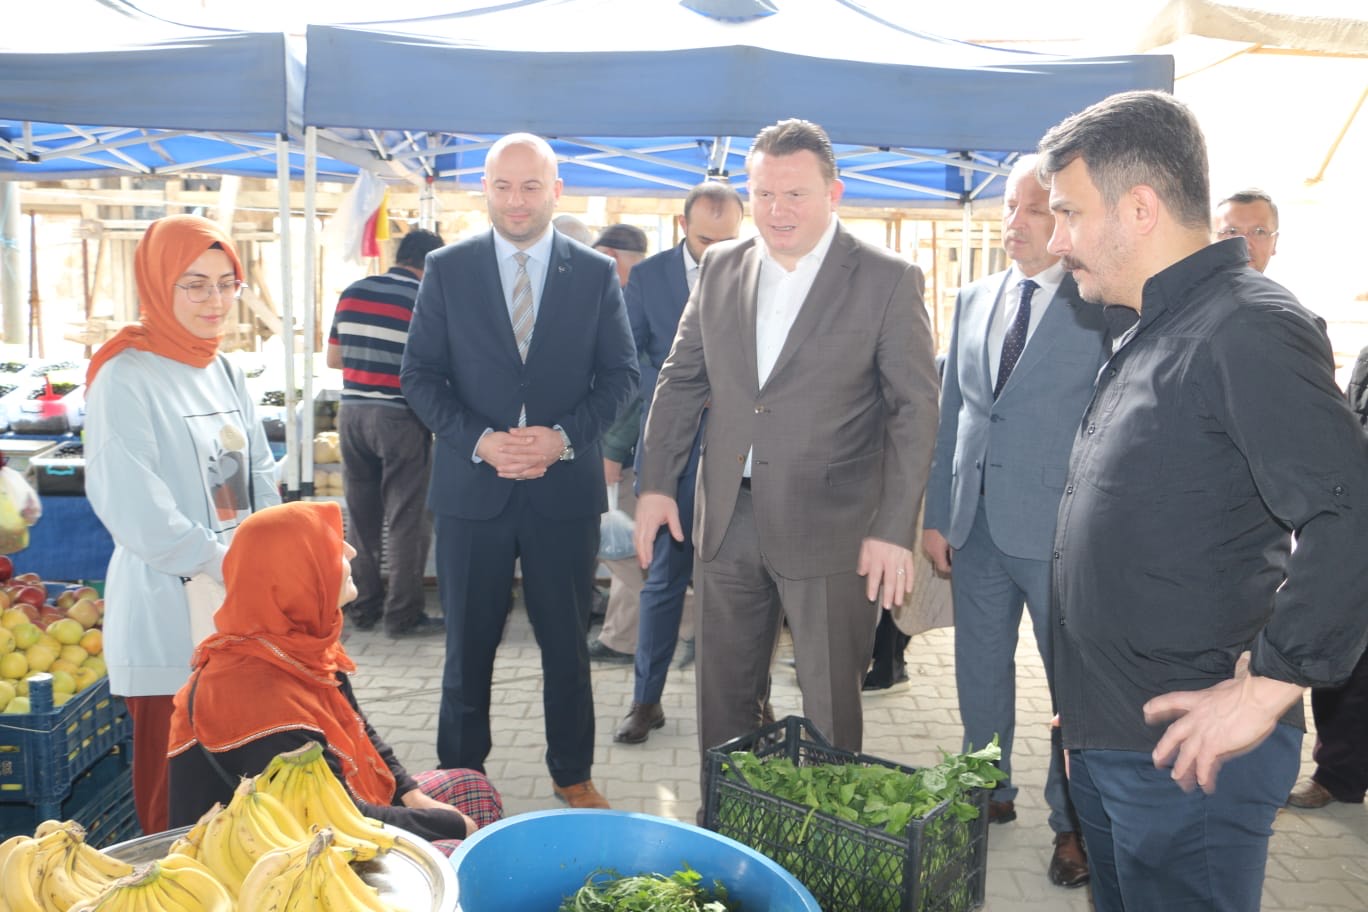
x,y
656,293
1024,350
519,357
812,352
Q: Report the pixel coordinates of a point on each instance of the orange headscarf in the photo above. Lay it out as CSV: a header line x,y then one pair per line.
x,y
271,665
166,250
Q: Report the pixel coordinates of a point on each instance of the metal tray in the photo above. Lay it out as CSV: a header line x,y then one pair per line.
x,y
412,876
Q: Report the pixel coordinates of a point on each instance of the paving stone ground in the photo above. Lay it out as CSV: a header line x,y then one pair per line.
x,y
1318,860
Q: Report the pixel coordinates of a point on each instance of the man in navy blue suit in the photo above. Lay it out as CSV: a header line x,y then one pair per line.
x,y
518,358
657,290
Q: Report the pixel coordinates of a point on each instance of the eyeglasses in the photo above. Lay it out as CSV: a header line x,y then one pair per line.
x,y
1258,231
199,292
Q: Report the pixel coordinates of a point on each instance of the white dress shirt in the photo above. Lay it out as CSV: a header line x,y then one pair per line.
x,y
538,259
1009,301
690,269
779,297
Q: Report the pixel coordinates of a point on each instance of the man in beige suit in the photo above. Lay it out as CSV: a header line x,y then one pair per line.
x,y
813,352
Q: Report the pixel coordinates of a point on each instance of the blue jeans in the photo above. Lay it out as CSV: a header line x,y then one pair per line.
x,y
1153,846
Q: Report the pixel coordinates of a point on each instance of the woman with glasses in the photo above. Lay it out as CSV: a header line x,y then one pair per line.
x,y
175,460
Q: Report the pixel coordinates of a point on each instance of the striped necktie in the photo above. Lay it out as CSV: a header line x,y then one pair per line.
x,y
522,318
522,315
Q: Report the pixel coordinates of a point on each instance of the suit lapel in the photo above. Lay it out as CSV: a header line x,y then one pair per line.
x,y
750,293
825,297
501,324
676,275
983,323
556,290
1046,335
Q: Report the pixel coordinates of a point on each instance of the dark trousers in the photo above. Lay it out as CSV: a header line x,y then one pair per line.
x,y
1341,751
889,645
386,465
475,561
1153,846
662,596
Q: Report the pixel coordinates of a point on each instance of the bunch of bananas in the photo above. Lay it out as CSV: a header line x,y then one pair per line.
x,y
304,783
177,883
314,874
54,870
252,824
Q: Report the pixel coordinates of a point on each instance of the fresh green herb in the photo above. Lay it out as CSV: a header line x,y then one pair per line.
x,y
874,796
605,891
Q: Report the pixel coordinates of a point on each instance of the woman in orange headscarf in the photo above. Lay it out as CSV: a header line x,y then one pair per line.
x,y
274,678
175,459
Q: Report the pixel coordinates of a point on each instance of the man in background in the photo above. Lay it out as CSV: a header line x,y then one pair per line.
x,y
1252,215
616,641
386,449
1024,349
656,293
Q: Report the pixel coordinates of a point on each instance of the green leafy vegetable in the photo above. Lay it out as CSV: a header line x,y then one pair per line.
x,y
874,796
605,891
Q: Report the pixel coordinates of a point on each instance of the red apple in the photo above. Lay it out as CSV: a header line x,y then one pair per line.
x,y
32,595
66,598
31,610
6,568
48,615
29,579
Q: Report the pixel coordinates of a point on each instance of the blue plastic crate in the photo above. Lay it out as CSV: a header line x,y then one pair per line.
x,y
101,800
44,751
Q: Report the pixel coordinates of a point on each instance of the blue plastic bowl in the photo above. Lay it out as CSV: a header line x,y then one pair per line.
x,y
531,862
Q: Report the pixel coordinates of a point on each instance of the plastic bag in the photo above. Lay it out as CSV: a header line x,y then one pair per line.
x,y
615,531
19,509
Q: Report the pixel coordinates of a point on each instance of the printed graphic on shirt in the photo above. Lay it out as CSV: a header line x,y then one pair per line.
x,y
221,452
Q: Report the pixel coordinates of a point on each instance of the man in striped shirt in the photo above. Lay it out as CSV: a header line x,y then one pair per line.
x,y
386,450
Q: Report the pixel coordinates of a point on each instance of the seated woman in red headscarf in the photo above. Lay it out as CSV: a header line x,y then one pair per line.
x,y
274,678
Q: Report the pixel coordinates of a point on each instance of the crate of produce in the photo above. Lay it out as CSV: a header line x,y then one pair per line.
x,y
44,752
937,863
101,800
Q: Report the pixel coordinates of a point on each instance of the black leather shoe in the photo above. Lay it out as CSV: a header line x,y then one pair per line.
x,y
1001,811
641,719
425,626
1069,864
602,652
363,621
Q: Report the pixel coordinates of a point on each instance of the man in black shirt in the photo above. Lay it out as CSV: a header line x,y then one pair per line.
x,y
1186,631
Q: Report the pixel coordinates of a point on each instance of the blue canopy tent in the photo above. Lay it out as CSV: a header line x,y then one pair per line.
x,y
98,87
646,95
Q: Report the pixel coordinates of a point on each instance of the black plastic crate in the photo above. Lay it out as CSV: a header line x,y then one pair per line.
x,y
939,864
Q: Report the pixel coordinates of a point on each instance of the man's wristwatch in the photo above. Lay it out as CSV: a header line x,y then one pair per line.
x,y
567,451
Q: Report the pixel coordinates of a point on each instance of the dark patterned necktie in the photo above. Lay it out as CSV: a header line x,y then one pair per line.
x,y
1015,342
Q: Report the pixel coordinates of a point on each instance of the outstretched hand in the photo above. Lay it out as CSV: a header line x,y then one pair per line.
x,y
1217,724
